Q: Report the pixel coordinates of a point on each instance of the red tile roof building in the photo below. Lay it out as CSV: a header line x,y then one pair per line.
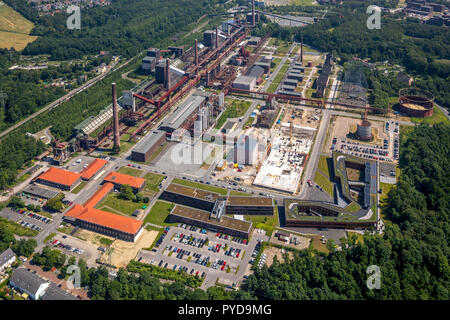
x,y
119,179
59,178
93,168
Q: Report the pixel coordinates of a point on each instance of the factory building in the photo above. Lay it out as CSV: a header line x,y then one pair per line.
x,y
204,118
90,124
264,63
184,114
286,87
256,72
147,146
290,82
39,192
295,76
245,83
246,151
253,41
59,178
209,38
214,221
119,179
148,65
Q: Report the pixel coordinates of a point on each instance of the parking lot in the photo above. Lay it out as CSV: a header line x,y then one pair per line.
x,y
86,251
203,253
27,219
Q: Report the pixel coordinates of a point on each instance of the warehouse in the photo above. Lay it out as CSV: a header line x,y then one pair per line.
x,y
245,83
211,221
256,72
286,87
290,82
147,146
295,76
253,41
93,168
185,112
39,192
59,178
119,179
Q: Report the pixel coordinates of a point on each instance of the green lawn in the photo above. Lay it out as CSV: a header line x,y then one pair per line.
x,y
16,228
152,181
276,81
437,117
105,241
115,205
130,171
324,182
238,193
159,213
267,223
325,165
79,187
237,109
353,207
385,187
201,186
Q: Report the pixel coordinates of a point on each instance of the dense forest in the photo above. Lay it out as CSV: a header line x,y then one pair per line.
x,y
124,28
22,247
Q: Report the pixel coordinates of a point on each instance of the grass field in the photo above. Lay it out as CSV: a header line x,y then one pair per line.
x,y
325,183
353,207
159,213
130,171
79,187
325,165
115,205
152,181
237,109
238,193
276,81
14,29
437,117
201,186
267,223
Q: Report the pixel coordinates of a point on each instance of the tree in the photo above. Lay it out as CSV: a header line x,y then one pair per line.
x,y
126,192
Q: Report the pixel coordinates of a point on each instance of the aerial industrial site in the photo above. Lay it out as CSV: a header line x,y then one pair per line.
x,y
220,148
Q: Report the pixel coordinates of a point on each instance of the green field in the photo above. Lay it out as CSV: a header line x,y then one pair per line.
x,y
437,116
301,2
267,223
159,213
16,228
325,183
239,193
130,171
325,165
113,204
201,186
152,181
353,207
14,29
79,187
237,109
273,86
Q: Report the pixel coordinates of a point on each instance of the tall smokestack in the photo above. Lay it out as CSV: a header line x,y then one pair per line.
x,y
301,50
196,53
217,37
167,74
115,119
253,12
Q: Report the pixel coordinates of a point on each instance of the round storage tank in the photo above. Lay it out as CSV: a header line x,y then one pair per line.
x,y
364,130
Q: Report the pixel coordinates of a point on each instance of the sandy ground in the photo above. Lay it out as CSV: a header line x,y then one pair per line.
x,y
303,119
123,251
271,252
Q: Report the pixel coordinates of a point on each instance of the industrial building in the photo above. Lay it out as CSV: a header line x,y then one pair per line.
x,y
245,83
90,124
216,222
322,81
148,145
39,192
245,151
59,178
264,63
256,72
184,115
119,179
253,41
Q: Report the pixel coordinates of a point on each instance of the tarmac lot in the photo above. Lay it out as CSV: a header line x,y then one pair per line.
x,y
90,254
12,215
238,265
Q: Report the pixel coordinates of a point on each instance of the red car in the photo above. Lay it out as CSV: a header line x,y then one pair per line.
x,y
196,273
222,267
224,263
217,234
178,250
237,255
129,164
